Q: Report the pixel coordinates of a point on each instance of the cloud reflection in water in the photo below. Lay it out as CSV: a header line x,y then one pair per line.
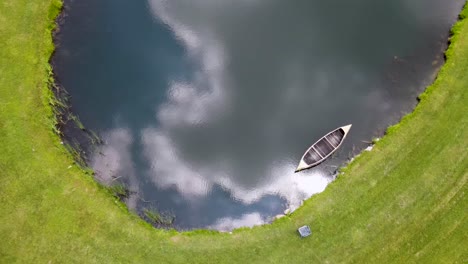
x,y
227,126
230,223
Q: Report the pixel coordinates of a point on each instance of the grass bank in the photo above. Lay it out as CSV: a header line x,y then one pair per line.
x,y
403,202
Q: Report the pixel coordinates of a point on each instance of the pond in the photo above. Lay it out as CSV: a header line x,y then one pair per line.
x,y
207,106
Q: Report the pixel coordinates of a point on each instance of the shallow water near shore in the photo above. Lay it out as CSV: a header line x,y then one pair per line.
x,y
207,106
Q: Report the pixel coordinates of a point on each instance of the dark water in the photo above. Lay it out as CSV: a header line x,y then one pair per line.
x,y
206,106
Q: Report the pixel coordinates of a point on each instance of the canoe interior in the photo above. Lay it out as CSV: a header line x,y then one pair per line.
x,y
324,147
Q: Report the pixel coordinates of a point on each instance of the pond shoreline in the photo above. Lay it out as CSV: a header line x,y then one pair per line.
x,y
55,213
78,140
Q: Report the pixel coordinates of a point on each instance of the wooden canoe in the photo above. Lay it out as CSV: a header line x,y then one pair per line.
x,y
323,148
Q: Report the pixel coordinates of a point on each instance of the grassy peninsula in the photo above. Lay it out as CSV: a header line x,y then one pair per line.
x,y
403,202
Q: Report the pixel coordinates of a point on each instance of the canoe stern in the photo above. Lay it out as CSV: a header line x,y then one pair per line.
x,y
302,166
346,128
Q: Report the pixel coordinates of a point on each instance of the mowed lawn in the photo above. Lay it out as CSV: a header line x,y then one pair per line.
x,y
403,202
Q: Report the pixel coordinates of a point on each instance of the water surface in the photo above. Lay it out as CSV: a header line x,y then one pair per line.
x,y
207,106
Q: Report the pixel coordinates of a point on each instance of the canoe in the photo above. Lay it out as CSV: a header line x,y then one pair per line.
x,y
323,148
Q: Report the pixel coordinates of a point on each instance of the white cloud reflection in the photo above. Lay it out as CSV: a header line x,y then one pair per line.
x,y
169,170
113,161
191,103
230,223
203,100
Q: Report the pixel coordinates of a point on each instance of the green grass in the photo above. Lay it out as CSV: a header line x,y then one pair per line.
x,y
403,202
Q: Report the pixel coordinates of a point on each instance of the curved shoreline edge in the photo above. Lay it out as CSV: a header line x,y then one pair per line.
x,y
402,202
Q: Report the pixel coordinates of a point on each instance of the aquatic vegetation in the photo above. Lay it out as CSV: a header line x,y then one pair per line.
x,y
159,219
120,190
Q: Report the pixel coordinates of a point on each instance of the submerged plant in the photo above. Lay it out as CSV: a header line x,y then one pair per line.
x,y
94,138
77,121
120,190
155,217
